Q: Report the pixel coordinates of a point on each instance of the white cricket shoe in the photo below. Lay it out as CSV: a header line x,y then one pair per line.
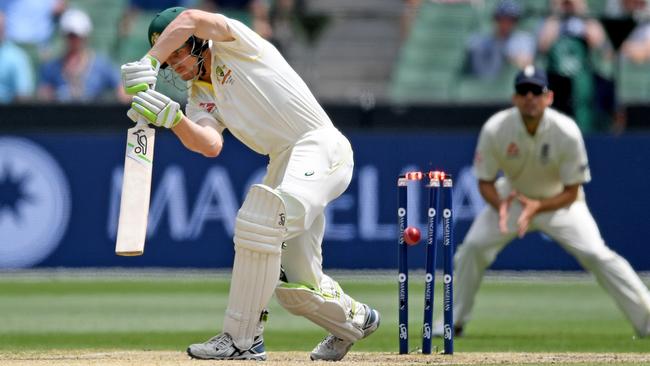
x,y
439,330
333,348
221,347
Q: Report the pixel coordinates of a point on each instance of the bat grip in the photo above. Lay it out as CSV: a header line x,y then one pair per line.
x,y
142,122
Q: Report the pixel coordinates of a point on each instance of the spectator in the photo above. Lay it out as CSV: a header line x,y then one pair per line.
x,y
636,46
283,16
570,19
408,15
136,7
16,76
489,54
21,18
254,13
568,37
22,15
80,74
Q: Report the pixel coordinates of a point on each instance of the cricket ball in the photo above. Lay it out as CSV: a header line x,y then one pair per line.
x,y
411,235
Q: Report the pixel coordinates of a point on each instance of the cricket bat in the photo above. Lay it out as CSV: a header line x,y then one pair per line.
x,y
136,190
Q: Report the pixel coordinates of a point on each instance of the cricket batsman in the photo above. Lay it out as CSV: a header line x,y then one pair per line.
x,y
240,82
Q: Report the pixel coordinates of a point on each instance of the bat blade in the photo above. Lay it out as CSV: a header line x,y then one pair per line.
x,y
136,191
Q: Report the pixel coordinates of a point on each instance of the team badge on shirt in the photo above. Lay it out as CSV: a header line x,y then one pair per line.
x,y
544,154
512,151
224,75
208,106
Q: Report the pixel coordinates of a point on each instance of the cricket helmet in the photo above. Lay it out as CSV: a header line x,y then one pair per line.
x,y
162,20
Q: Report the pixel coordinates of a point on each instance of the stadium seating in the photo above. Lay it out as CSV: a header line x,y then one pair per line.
x,y
634,82
430,61
106,17
432,54
348,60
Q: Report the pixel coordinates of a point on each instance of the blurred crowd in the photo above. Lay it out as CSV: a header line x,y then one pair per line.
x,y
580,50
46,52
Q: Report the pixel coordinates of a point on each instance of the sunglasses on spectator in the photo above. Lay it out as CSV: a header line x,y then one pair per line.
x,y
524,89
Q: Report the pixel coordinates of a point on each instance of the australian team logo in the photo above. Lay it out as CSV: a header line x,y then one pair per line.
x,y
154,37
34,203
224,75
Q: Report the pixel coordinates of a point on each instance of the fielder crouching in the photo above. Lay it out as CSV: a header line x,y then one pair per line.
x,y
239,81
544,162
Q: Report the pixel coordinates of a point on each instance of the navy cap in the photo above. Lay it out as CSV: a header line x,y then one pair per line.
x,y
532,75
508,8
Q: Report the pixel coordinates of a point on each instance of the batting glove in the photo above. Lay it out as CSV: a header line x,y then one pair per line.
x,y
156,108
140,75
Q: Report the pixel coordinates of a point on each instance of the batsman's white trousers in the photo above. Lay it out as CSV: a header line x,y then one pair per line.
x,y
315,171
575,230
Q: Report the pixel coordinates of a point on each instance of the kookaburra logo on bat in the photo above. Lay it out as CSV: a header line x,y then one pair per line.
x,y
142,142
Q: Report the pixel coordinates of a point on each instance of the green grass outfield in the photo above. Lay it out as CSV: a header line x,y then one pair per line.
x,y
169,310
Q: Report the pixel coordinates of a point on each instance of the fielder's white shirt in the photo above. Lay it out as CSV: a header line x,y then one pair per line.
x,y
255,94
539,166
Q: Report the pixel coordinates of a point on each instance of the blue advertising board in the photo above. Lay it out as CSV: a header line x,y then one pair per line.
x,y
59,201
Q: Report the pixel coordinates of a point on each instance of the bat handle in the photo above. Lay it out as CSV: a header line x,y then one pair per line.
x,y
142,122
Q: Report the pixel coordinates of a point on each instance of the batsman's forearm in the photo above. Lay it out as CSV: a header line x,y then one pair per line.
x,y
189,23
174,36
200,139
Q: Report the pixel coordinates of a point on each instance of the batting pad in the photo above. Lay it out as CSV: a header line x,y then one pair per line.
x,y
259,232
327,311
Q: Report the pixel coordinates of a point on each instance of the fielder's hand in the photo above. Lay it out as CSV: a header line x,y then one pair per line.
x,y
156,108
530,207
504,208
140,75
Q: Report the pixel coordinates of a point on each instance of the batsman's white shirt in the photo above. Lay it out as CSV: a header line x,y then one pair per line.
x,y
263,102
540,166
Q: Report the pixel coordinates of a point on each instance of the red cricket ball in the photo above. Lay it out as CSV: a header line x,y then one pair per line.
x,y
411,235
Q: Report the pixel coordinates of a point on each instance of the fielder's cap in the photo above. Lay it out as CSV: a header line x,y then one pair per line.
x,y
532,75
161,21
76,22
508,8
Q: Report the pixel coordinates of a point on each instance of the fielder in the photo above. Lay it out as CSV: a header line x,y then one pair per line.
x,y
544,162
240,82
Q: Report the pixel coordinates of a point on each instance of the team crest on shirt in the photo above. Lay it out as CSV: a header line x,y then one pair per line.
x,y
154,37
543,157
224,74
512,151
208,107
